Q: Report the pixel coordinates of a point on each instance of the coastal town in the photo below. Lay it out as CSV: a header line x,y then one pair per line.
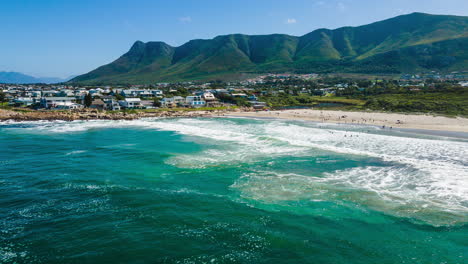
x,y
68,97
254,92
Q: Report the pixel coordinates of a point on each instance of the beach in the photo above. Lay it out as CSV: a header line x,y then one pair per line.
x,y
389,120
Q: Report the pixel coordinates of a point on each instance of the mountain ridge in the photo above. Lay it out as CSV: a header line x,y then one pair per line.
x,y
367,48
11,77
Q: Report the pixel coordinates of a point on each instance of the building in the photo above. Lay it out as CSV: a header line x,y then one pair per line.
x,y
141,93
258,105
69,106
111,104
53,102
24,101
157,93
173,101
131,103
221,91
66,93
147,104
209,96
252,98
195,101
242,95
50,93
98,104
168,102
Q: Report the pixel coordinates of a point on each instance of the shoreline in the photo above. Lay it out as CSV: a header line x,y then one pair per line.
x,y
403,122
90,114
456,126
428,132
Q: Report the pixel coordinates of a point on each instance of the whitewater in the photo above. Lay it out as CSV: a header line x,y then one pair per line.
x,y
334,172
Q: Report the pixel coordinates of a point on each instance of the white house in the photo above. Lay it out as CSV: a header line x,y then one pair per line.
x,y
49,93
70,106
53,102
157,92
33,93
111,104
243,95
168,102
147,104
131,103
258,105
173,101
141,93
24,101
179,100
208,96
195,101
66,93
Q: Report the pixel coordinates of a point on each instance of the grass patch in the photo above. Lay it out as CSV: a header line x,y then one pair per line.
x,y
450,104
339,100
307,100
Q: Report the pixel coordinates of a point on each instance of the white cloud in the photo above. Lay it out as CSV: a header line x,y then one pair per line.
x,y
341,6
291,21
186,19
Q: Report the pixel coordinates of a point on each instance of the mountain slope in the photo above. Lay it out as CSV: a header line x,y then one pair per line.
x,y
20,78
408,43
16,77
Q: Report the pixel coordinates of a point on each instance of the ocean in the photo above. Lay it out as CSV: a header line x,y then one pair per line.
x,y
230,190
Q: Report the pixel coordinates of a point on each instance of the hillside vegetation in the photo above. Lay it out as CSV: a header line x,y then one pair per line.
x,y
409,43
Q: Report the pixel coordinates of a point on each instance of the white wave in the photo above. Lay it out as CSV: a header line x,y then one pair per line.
x,y
418,173
386,189
242,143
48,127
434,172
75,152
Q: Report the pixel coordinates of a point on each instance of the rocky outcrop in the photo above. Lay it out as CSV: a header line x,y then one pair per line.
x,y
87,114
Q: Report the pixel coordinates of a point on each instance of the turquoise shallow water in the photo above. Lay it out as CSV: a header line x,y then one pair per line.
x,y
229,190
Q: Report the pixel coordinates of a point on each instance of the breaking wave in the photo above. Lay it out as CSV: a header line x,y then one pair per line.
x,y
417,177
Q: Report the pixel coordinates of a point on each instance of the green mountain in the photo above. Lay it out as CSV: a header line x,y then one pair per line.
x,y
409,43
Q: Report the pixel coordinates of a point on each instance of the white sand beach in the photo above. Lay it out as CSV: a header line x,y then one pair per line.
x,y
394,120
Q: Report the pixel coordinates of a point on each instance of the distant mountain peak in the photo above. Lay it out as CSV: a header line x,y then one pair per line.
x,y
20,78
406,43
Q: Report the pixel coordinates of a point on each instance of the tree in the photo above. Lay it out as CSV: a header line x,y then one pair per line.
x,y
88,99
225,98
239,101
157,102
2,96
119,96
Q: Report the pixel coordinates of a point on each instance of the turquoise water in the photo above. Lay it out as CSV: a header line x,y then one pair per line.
x,y
229,190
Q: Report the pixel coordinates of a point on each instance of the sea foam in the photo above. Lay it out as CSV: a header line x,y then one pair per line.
x,y
418,176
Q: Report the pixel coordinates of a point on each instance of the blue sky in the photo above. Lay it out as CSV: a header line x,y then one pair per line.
x,y
58,38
